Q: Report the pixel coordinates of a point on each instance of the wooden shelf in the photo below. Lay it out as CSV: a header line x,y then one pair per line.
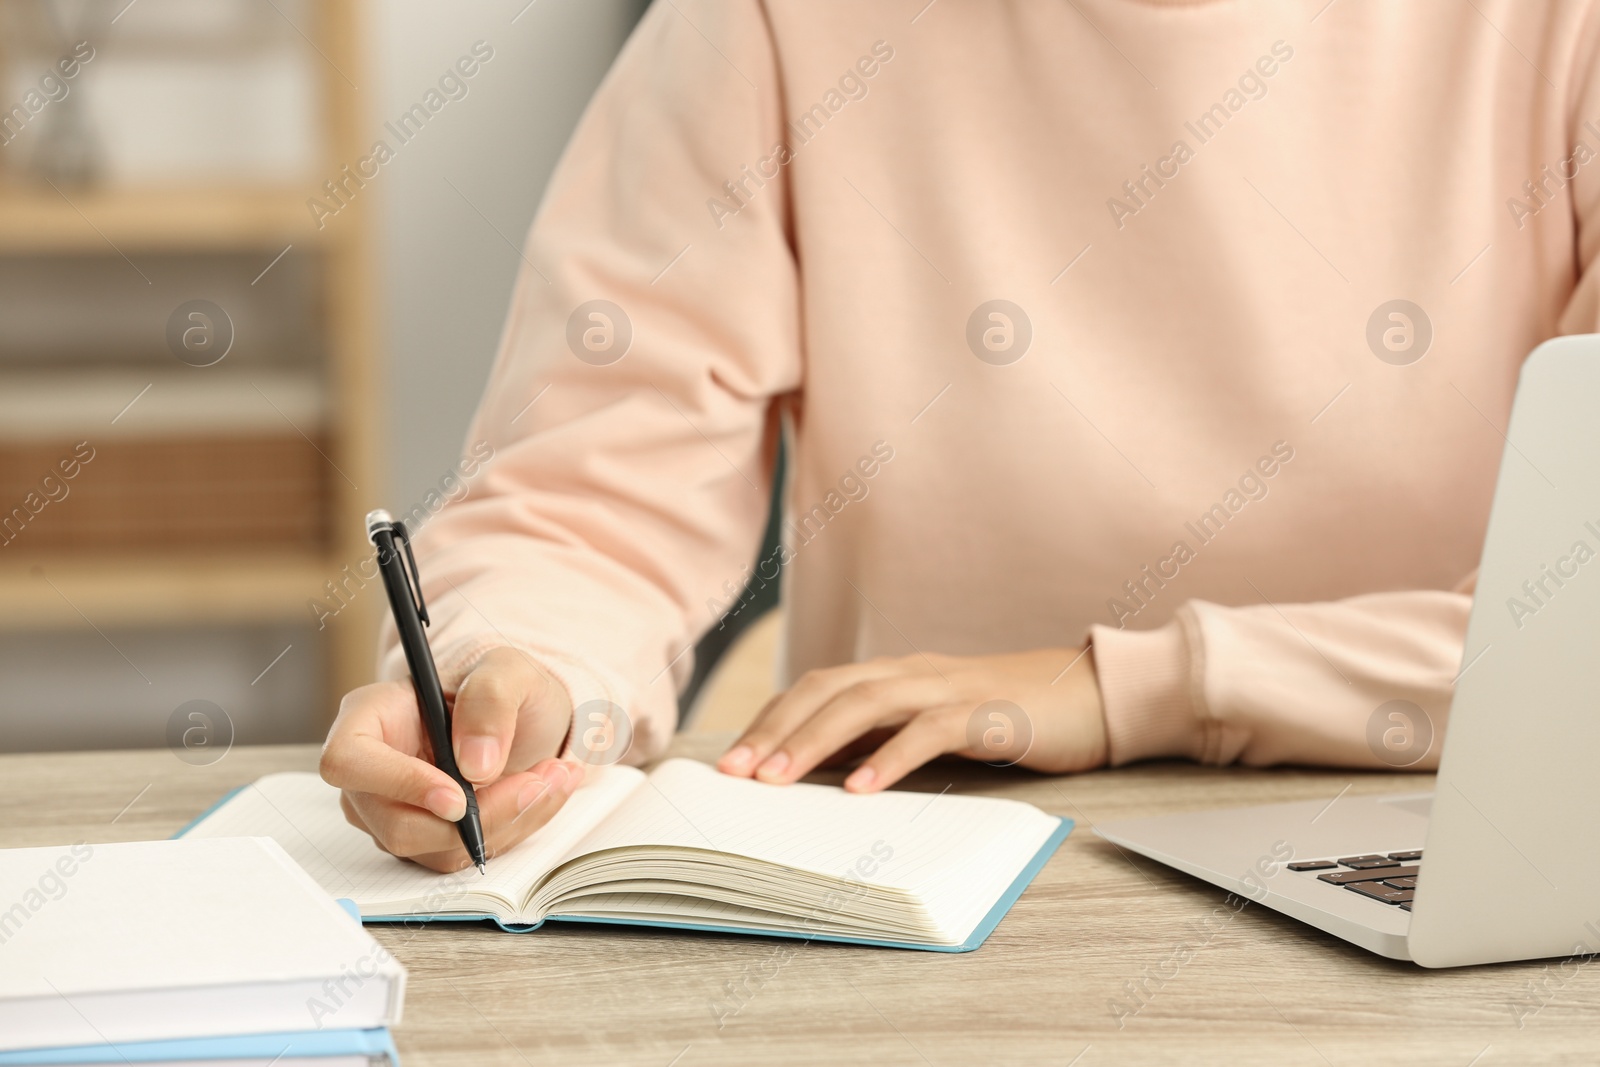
x,y
152,220
67,589
79,590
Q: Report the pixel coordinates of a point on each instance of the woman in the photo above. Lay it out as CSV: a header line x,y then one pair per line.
x,y
1143,364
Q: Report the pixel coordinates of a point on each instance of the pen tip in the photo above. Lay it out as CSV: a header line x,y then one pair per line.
x,y
482,869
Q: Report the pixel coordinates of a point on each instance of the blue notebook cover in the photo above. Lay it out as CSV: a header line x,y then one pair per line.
x,y
276,1048
978,936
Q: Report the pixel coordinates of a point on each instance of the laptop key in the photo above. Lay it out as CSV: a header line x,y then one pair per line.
x,y
1347,877
1400,883
1379,891
1405,905
1407,857
1313,865
1362,863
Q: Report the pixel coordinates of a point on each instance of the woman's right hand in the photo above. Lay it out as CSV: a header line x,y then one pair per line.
x,y
510,721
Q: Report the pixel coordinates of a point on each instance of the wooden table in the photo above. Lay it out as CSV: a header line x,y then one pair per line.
x,y
1253,988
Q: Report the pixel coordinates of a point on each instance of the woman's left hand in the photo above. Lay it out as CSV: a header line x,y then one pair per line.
x,y
1040,709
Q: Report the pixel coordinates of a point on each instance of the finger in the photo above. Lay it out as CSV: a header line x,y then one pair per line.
x,y
402,829
444,862
356,758
514,814
788,709
351,815
385,710
864,706
538,797
925,737
412,834
486,710
437,861
852,752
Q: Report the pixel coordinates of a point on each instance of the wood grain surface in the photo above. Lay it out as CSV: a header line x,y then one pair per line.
x,y
1249,987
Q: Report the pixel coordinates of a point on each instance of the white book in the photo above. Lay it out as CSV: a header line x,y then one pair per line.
x,y
163,940
685,845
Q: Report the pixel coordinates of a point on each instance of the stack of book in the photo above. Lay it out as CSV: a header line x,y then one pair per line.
x,y
220,951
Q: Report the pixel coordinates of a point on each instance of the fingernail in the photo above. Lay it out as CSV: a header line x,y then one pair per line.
x,y
478,757
576,772
449,804
861,779
534,791
558,775
774,766
737,760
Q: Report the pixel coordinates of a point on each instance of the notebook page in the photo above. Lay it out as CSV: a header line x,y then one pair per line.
x,y
301,812
674,908
957,854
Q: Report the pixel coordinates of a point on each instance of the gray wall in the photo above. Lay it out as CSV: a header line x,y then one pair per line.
x,y
447,270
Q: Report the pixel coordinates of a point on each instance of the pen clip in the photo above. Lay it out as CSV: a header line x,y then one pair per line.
x,y
413,579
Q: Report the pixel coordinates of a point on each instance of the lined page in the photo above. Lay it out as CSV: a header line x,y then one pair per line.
x,y
301,812
956,854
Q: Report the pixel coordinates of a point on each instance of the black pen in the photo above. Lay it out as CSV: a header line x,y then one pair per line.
x,y
410,616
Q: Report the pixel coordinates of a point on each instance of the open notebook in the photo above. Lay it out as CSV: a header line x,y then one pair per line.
x,y
686,846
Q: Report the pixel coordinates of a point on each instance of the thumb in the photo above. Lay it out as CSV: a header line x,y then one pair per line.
x,y
489,707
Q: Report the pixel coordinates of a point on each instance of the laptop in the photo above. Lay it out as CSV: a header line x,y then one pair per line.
x,y
1500,861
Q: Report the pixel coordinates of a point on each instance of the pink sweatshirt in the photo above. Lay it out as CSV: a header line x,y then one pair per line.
x,y
1078,319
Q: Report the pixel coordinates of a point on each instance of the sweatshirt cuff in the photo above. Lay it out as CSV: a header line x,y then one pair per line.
x,y
1147,688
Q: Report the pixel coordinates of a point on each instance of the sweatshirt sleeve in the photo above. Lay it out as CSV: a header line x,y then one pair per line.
x,y
627,433
1288,683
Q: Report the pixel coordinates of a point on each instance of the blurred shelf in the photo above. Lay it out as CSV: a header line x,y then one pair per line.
x,y
335,407
81,590
119,403
152,220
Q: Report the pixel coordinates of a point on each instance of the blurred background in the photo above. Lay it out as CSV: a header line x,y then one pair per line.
x,y
229,325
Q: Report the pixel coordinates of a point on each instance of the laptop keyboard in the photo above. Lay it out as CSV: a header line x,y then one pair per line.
x,y
1387,878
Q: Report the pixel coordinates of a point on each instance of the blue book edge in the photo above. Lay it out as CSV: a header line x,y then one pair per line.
x,y
212,810
280,1048
979,934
